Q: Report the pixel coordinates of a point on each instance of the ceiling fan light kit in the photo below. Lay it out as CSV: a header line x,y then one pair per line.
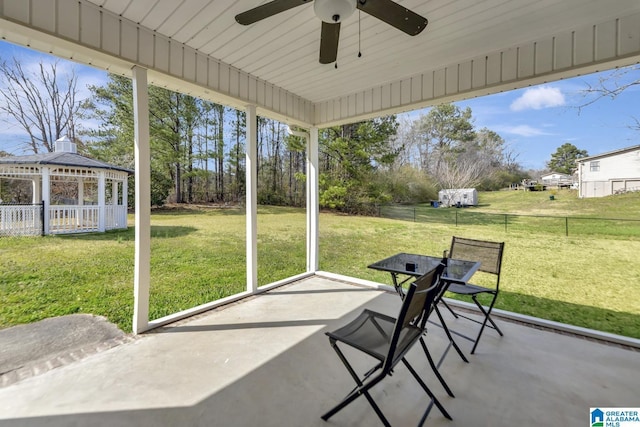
x,y
333,12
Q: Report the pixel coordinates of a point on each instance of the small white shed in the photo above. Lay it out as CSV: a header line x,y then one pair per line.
x,y
458,197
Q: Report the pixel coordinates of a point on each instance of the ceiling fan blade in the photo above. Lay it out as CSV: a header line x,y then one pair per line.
x,y
266,10
395,15
329,42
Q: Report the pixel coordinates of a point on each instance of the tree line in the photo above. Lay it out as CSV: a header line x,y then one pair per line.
x,y
198,147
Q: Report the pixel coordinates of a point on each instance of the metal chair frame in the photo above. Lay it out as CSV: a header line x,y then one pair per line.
x,y
407,329
490,256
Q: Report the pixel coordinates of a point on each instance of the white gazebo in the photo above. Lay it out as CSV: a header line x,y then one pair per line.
x,y
70,193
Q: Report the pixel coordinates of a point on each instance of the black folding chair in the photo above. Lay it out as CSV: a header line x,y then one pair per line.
x,y
489,254
387,340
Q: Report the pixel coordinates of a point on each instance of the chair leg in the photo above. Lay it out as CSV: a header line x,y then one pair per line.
x,y
426,389
487,313
448,332
434,368
487,317
448,308
360,390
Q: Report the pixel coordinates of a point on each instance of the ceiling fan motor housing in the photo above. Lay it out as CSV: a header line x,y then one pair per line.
x,y
334,11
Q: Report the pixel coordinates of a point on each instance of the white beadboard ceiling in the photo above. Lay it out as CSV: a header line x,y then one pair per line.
x,y
523,41
283,49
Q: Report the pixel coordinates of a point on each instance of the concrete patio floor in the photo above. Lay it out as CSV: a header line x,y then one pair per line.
x,y
265,361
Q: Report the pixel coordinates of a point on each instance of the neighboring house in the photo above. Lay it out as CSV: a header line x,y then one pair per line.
x,y
609,173
557,179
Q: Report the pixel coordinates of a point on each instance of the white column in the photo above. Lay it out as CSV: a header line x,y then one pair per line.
x,y
313,205
114,193
36,190
142,264
102,210
80,191
125,200
46,191
252,198
80,217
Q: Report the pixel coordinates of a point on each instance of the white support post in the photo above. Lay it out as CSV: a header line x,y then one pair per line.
x,y
313,205
36,193
125,200
80,191
79,213
102,204
142,267
114,193
46,192
252,198
125,192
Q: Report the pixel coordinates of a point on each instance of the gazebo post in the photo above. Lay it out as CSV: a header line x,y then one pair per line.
x,y
80,215
80,191
125,198
36,190
114,201
46,195
114,192
101,200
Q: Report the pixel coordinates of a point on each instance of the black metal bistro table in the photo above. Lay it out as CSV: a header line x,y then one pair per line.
x,y
413,266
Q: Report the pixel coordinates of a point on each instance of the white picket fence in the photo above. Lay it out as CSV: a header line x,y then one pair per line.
x,y
21,220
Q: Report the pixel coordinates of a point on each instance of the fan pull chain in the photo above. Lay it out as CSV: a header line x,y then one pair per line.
x,y
359,50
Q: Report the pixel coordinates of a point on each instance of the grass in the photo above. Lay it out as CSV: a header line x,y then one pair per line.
x,y
565,203
519,211
198,255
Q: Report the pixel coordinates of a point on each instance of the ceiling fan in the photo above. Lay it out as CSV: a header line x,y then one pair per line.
x,y
333,12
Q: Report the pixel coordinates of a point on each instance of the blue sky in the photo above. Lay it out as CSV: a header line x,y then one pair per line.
x,y
534,121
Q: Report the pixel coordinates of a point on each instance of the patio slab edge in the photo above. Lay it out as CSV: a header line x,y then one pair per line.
x,y
508,315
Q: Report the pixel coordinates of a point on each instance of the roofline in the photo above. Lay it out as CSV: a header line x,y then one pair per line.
x,y
105,166
609,153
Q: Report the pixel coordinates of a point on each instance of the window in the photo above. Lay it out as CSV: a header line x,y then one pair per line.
x,y
595,166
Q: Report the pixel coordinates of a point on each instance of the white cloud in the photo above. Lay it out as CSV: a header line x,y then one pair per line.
x,y
520,130
538,98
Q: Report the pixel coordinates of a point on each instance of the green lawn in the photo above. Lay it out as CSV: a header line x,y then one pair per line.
x,y
198,255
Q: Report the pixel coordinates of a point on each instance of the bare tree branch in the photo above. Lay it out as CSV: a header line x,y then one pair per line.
x,y
610,86
42,103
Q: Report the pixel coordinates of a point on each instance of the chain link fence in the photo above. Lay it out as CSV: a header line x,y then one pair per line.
x,y
514,223
21,219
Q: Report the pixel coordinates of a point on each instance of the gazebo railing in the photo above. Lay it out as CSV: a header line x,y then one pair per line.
x,y
28,219
115,217
85,218
18,219
73,219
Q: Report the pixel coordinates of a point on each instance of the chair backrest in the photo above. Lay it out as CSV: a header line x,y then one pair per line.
x,y
436,289
488,253
415,308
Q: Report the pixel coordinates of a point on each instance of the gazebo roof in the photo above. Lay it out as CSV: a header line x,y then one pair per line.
x,y
61,159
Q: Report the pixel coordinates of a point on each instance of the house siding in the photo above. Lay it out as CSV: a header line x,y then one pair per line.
x,y
617,172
